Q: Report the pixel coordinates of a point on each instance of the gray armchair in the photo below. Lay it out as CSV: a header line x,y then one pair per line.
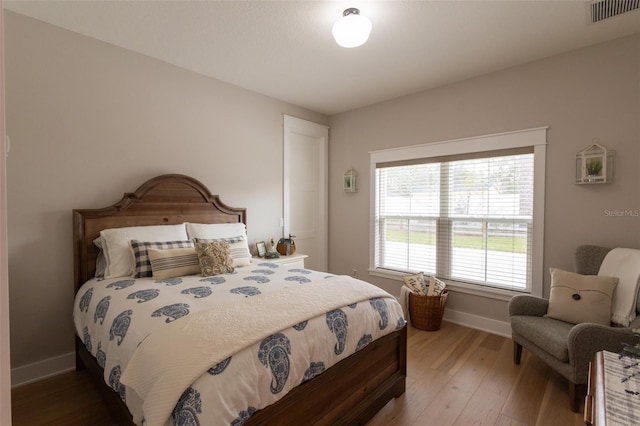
x,y
567,348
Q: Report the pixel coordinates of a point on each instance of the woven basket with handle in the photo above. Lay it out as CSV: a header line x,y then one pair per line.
x,y
426,311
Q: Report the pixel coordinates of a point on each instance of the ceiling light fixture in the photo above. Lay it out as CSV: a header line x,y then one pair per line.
x,y
353,29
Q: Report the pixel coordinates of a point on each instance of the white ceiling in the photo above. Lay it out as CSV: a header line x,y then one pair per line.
x,y
285,49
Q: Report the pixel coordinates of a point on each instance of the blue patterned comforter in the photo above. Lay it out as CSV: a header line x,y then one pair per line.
x,y
114,316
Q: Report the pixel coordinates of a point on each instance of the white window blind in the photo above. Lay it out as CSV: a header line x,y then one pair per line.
x,y
466,217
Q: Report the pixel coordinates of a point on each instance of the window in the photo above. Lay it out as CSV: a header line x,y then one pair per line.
x,y
469,211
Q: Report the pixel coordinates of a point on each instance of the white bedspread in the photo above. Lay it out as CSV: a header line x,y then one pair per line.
x,y
208,337
236,376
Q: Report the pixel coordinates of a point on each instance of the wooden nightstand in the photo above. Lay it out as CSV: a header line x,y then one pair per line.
x,y
295,260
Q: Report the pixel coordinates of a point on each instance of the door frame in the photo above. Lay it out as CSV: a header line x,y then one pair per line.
x,y
5,354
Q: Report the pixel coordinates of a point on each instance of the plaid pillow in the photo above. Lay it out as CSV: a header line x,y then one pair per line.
x,y
142,264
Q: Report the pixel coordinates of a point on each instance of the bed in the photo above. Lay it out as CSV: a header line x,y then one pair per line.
x,y
350,391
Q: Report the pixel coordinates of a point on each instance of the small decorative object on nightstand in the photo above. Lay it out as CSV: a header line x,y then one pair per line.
x,y
286,246
594,164
261,248
272,253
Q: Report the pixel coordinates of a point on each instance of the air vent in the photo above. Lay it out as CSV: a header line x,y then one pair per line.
x,y
604,9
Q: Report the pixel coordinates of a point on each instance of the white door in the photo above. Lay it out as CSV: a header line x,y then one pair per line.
x,y
305,188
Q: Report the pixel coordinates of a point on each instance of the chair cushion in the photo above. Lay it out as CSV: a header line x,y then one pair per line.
x,y
547,333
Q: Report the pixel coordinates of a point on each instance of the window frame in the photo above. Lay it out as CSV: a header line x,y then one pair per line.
x,y
535,137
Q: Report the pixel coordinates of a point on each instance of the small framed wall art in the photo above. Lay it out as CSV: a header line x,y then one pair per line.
x,y
350,181
594,164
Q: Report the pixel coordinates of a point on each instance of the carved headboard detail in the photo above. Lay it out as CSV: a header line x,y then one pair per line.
x,y
163,200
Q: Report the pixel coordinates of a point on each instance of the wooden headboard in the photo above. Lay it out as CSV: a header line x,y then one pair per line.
x,y
164,200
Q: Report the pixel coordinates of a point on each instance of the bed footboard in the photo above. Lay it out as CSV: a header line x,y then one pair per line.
x,y
349,393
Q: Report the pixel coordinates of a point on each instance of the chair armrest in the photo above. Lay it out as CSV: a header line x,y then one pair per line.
x,y
524,304
586,339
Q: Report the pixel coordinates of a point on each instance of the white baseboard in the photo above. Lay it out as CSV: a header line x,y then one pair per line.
x,y
489,325
42,369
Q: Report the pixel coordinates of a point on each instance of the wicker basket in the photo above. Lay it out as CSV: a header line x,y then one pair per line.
x,y
426,311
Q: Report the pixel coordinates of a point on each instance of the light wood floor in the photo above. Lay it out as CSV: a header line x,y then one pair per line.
x,y
456,376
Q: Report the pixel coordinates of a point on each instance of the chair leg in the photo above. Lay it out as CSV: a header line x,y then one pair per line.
x,y
517,353
574,396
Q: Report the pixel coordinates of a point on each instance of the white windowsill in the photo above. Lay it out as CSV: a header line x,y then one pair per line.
x,y
488,292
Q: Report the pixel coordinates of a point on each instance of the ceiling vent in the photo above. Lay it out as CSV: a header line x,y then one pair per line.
x,y
603,9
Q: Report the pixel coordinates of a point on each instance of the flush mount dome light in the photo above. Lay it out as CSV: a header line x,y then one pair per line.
x,y
352,30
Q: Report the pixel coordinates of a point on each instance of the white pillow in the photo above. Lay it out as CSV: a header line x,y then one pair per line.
x,y
214,231
116,244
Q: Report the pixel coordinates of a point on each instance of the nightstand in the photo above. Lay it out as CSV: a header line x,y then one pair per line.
x,y
295,260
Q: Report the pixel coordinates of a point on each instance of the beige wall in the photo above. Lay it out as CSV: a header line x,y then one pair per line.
x,y
89,121
589,93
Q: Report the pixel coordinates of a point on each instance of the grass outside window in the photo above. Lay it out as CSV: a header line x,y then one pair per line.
x,y
496,243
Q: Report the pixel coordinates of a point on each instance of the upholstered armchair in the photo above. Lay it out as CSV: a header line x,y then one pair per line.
x,y
567,348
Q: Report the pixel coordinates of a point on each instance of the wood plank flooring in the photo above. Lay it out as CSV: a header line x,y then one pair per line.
x,y
456,376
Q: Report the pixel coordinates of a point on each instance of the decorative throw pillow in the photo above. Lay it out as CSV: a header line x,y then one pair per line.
x,y
239,249
142,266
579,298
415,283
117,248
170,263
214,258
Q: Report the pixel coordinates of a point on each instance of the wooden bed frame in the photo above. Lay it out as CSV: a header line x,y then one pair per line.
x,y
349,393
